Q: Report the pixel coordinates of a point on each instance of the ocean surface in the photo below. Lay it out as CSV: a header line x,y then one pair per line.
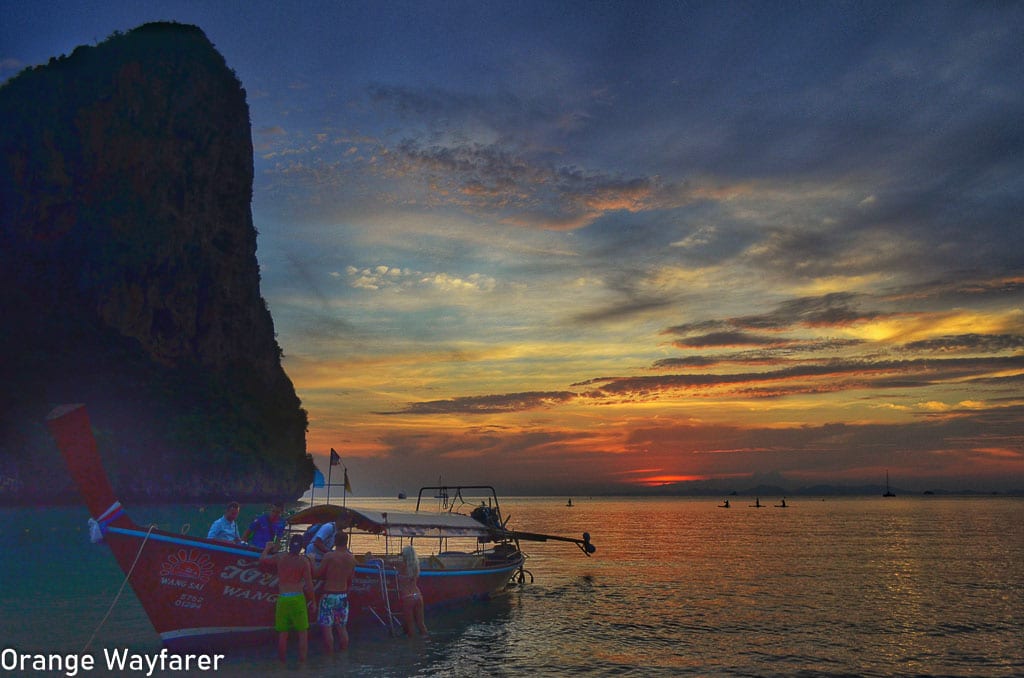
x,y
908,586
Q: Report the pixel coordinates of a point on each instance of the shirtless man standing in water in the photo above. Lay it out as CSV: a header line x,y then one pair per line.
x,y
336,569
294,579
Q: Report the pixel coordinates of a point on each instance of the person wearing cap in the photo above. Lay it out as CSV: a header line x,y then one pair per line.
x,y
268,526
295,594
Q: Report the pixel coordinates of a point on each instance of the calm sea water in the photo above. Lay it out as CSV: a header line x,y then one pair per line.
x,y
869,587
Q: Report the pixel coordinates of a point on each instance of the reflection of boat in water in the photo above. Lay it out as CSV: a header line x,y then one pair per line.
x,y
782,504
203,593
757,503
888,492
724,504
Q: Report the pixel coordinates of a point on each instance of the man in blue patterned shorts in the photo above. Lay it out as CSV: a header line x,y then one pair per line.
x,y
336,569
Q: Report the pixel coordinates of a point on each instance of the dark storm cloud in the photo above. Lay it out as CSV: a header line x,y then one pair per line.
x,y
728,339
651,386
835,375
960,287
969,343
683,363
774,355
488,404
798,253
628,308
830,310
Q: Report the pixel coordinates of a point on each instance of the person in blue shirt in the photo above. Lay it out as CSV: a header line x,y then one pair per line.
x,y
266,527
225,528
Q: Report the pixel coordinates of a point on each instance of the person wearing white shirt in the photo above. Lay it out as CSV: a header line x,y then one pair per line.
x,y
322,542
225,528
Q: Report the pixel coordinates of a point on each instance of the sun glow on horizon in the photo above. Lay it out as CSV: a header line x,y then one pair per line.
x,y
666,479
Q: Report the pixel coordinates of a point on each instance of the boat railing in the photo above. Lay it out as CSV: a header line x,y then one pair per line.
x,y
453,496
388,619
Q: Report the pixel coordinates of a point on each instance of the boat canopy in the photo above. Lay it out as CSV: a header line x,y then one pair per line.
x,y
394,523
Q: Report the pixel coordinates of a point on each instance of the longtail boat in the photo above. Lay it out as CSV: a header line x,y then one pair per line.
x,y
201,593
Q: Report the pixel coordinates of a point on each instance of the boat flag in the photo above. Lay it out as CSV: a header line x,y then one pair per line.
x,y
348,485
335,458
318,478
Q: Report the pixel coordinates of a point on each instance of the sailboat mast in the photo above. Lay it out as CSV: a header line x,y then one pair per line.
x,y
888,492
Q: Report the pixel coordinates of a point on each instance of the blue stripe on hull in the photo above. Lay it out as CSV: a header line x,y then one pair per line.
x,y
224,548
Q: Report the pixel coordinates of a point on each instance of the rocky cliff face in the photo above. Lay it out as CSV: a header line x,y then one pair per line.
x,y
130,281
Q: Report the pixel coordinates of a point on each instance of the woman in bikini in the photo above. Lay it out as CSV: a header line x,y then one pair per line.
x,y
412,599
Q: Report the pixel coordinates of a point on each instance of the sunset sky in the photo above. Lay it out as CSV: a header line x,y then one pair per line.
x,y
571,247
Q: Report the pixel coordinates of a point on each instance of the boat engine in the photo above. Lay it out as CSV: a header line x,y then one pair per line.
x,y
487,515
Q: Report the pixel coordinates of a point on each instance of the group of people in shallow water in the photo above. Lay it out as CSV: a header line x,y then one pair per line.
x,y
326,557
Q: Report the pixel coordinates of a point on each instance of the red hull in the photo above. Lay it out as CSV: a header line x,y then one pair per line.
x,y
197,591
202,593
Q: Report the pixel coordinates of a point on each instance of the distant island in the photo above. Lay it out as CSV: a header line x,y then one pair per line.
x,y
130,282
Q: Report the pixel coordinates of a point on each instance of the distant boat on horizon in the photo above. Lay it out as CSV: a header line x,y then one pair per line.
x,y
888,492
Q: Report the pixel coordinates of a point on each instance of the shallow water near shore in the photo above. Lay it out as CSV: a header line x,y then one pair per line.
x,y
868,586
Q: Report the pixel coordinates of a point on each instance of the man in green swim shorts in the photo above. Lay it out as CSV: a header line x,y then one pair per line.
x,y
295,592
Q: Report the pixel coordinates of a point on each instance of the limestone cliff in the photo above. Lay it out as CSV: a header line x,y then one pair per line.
x,y
130,281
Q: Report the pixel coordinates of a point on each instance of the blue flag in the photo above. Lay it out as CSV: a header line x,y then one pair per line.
x,y
318,478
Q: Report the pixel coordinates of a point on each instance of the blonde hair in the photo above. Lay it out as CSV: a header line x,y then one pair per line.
x,y
411,560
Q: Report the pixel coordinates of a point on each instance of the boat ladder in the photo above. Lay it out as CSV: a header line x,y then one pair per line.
x,y
392,621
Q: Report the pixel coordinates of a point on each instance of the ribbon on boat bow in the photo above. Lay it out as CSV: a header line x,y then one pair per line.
x,y
98,526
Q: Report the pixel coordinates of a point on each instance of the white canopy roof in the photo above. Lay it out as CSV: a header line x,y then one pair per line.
x,y
394,523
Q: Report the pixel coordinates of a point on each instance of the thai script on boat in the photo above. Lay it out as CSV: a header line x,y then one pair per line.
x,y
248,572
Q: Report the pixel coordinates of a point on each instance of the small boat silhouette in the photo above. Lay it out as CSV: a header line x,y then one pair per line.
x,y
888,492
